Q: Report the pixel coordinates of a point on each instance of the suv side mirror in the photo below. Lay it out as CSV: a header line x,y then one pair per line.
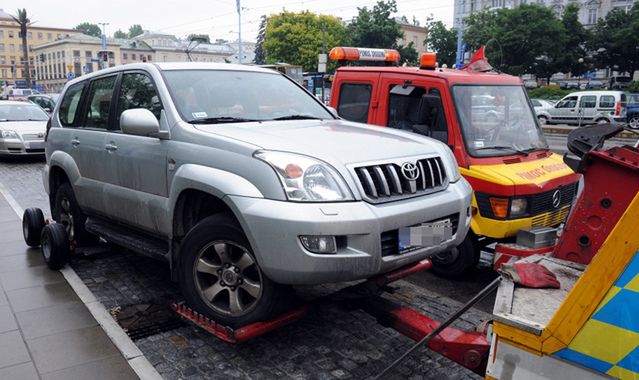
x,y
140,122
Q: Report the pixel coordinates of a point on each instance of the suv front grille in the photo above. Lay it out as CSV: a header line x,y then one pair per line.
x,y
387,182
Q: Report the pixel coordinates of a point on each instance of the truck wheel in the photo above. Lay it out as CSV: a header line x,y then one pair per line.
x,y
55,245
633,122
220,277
32,225
543,120
67,212
458,261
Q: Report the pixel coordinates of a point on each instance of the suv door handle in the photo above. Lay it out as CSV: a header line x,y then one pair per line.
x,y
111,147
75,142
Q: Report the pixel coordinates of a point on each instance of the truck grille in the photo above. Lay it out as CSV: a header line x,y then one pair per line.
x,y
387,182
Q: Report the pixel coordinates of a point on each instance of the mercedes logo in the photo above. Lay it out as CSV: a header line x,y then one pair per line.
x,y
556,198
410,171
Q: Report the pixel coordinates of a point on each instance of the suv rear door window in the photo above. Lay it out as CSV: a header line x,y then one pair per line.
x,y
354,101
99,103
69,105
137,91
607,101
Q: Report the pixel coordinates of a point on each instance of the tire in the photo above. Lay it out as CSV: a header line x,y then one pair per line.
x,y
32,225
55,245
543,120
458,261
220,278
633,122
67,212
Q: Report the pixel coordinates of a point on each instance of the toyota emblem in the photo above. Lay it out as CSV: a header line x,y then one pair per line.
x,y
410,171
556,198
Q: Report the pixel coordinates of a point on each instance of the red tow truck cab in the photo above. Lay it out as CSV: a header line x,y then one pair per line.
x,y
486,119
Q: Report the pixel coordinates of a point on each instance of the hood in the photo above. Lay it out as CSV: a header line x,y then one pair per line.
x,y
329,140
541,172
22,127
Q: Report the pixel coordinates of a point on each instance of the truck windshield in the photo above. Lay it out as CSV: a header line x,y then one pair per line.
x,y
497,120
221,96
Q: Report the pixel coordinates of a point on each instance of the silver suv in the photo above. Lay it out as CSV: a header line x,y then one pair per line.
x,y
244,183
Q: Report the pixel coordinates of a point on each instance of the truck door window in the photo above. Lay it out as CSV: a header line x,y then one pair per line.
x,y
411,109
588,101
354,101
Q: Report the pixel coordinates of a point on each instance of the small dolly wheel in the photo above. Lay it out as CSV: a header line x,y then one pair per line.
x,y
55,245
32,225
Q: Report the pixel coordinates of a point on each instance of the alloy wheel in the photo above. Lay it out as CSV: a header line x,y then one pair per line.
x,y
633,123
227,278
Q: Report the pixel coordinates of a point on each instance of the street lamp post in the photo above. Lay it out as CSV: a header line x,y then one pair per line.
x,y
239,31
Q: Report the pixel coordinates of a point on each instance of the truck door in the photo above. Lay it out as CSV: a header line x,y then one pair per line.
x,y
355,98
414,105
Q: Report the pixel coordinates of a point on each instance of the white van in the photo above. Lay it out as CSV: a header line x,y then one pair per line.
x,y
587,107
11,93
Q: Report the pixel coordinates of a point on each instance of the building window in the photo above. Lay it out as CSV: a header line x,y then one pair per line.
x,y
49,36
76,53
592,16
12,48
39,35
88,54
1,33
29,35
1,47
125,56
3,60
148,58
58,55
133,56
11,34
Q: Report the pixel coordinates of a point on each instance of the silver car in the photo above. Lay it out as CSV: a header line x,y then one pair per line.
x,y
245,183
22,128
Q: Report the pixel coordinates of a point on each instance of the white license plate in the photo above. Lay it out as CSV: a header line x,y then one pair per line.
x,y
34,144
426,234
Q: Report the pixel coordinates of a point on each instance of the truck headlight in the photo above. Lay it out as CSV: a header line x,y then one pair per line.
x,y
7,134
518,206
450,164
306,179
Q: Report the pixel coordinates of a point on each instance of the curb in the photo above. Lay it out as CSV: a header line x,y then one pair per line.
x,y
131,353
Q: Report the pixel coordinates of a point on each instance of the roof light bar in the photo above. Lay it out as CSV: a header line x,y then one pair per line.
x,y
340,53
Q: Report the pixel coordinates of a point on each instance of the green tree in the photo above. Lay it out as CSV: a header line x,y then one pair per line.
x,y
517,39
375,28
89,29
615,40
296,38
135,30
203,38
408,54
260,57
573,57
24,22
442,41
120,34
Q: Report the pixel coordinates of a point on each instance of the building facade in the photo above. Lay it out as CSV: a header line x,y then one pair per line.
x,y
413,33
168,48
11,53
589,10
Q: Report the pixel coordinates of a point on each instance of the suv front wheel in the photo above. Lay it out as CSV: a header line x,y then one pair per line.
x,y
220,277
67,212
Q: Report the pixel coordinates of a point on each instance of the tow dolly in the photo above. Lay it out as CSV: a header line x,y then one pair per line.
x,y
587,328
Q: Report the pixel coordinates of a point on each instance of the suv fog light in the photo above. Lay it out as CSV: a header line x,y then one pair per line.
x,y
319,244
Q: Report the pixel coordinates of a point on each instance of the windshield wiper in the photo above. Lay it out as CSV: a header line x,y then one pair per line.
x,y
298,117
500,147
220,119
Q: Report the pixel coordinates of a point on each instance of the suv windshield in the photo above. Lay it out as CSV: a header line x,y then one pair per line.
x,y
26,112
220,96
497,120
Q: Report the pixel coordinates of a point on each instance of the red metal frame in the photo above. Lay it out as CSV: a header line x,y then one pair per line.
x,y
469,349
504,253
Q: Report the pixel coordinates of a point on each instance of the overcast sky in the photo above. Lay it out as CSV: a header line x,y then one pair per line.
x,y
218,18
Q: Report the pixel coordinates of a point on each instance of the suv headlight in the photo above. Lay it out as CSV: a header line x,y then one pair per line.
x,y
7,134
306,179
450,163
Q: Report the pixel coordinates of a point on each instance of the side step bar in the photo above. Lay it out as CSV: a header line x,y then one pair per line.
x,y
136,242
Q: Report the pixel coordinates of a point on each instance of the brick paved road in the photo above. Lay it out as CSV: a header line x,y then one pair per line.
x,y
331,344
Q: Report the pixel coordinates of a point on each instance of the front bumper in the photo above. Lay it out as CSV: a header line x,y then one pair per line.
x,y
273,229
21,148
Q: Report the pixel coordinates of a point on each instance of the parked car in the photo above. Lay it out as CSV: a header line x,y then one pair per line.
x,y
45,101
569,85
541,104
22,128
11,93
530,83
633,111
586,107
244,183
619,82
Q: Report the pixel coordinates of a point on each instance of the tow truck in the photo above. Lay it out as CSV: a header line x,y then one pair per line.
x,y
587,328
486,118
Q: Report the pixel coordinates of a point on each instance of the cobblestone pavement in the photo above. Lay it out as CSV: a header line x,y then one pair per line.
x,y
329,344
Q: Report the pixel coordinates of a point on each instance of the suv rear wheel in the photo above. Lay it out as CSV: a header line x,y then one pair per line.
x,y
67,212
220,277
